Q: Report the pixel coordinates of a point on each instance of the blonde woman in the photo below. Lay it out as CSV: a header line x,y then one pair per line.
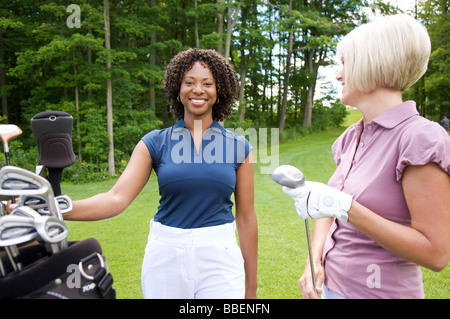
x,y
386,209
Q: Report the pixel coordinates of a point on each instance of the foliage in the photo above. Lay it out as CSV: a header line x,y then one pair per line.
x,y
46,64
324,118
432,92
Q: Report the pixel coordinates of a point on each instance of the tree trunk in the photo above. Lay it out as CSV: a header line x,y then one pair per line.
x,y
243,67
3,80
220,26
287,74
109,110
312,68
197,40
231,22
77,106
151,83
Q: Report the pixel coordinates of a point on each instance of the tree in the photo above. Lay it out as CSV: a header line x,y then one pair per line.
x,y
231,22
109,107
5,24
433,90
322,23
277,47
151,82
220,24
287,69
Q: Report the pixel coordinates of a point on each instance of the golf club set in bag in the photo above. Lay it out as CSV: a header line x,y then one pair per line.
x,y
36,259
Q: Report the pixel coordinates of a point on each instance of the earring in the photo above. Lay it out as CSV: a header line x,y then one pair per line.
x,y
178,98
217,101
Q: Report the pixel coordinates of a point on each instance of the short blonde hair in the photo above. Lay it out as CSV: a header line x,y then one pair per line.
x,y
391,53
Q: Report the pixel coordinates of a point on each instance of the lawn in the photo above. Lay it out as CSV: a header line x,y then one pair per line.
x,y
282,243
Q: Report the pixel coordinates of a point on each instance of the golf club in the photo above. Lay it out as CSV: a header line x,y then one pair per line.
x,y
19,181
16,230
52,231
25,211
292,177
2,213
7,132
2,268
64,203
34,201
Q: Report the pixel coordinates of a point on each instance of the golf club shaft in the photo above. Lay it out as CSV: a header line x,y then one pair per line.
x,y
311,261
12,258
2,267
8,162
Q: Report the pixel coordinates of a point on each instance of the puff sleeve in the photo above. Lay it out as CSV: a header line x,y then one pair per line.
x,y
424,143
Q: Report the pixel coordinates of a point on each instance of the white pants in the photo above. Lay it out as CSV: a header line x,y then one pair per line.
x,y
330,294
193,263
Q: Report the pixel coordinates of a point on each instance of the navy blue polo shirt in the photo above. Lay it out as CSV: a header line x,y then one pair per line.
x,y
196,185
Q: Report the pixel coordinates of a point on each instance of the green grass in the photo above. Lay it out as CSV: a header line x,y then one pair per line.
x,y
282,240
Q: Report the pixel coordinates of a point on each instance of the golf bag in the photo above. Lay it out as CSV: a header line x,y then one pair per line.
x,y
77,272
36,260
53,134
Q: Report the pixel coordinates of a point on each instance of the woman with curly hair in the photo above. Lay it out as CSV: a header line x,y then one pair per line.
x,y
192,251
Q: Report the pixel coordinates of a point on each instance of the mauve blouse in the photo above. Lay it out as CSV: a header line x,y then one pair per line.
x,y
370,162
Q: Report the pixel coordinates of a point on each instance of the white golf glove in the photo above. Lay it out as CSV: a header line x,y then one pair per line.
x,y
317,200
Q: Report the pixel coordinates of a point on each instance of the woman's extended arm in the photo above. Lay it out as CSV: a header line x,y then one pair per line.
x,y
124,191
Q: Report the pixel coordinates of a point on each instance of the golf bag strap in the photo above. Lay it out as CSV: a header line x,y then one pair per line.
x,y
105,287
102,278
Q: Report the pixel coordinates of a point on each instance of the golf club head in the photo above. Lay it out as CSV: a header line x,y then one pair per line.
x,y
53,232
25,211
64,203
50,229
18,181
9,131
34,201
287,175
16,230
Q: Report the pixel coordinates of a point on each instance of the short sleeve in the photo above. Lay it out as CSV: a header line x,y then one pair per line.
x,y
424,143
152,142
243,148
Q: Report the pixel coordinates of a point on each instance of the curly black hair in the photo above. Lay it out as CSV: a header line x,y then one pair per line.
x,y
225,76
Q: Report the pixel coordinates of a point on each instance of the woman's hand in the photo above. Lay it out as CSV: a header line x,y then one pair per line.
x,y
305,283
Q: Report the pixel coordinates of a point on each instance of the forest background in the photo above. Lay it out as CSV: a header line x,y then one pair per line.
x,y
103,62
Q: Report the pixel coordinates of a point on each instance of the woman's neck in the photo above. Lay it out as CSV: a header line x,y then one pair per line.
x,y
193,123
197,126
377,102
